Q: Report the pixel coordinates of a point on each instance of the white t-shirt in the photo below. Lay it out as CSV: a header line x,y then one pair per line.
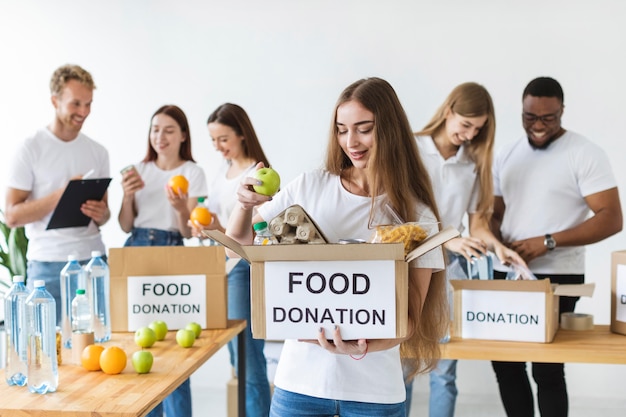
x,y
43,164
543,192
455,182
154,210
223,192
306,368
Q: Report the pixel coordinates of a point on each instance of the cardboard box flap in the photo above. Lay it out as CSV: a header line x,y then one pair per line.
x,y
231,244
329,251
574,290
540,285
305,252
431,242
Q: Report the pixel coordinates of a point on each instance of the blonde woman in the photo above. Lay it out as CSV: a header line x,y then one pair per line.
x,y
372,161
456,147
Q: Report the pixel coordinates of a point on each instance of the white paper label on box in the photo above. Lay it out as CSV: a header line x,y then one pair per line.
x,y
357,296
175,299
504,315
620,293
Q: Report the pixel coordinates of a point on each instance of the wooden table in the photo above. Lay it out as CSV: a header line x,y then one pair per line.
x,y
590,346
83,393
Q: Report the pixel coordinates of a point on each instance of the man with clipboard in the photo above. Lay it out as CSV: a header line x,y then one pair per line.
x,y
45,163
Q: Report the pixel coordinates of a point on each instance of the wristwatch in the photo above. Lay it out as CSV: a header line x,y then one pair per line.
x,y
549,242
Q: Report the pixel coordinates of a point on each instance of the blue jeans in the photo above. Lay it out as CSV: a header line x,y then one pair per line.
x,y
257,386
153,237
289,404
178,403
50,272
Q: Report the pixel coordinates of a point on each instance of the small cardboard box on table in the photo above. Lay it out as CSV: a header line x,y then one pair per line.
x,y
618,292
176,284
520,310
362,288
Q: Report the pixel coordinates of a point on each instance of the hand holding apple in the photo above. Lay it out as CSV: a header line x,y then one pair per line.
x,y
270,181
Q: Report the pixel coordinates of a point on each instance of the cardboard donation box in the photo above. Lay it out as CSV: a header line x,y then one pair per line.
x,y
175,284
618,292
362,288
522,310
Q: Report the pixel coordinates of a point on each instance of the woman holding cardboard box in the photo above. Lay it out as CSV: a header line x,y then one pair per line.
x,y
156,214
372,163
457,148
234,137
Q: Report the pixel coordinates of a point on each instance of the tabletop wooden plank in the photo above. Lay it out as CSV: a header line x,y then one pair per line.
x,y
82,393
581,346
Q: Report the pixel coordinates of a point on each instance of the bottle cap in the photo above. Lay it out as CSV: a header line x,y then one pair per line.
x,y
80,291
260,225
72,257
95,253
40,283
200,200
18,278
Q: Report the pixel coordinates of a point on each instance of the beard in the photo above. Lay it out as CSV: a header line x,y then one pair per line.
x,y
547,142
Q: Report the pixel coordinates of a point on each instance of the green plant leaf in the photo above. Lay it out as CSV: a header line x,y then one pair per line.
x,y
18,244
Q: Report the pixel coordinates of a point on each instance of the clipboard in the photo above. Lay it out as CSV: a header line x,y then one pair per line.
x,y
67,212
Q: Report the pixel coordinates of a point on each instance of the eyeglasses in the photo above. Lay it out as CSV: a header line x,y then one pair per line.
x,y
546,119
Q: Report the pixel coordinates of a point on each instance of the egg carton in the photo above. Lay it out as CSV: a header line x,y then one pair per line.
x,y
294,226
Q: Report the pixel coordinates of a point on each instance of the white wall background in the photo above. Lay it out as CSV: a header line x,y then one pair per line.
x,y
286,62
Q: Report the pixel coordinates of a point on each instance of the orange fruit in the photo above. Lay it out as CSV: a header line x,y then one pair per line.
x,y
178,182
202,215
113,360
90,357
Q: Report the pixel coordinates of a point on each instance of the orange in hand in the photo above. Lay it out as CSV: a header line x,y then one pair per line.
x,y
201,215
90,357
178,182
113,360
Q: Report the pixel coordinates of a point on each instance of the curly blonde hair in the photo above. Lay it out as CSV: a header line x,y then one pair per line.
x,y
68,72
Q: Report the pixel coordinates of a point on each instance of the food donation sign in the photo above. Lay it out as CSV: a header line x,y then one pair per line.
x,y
174,299
357,296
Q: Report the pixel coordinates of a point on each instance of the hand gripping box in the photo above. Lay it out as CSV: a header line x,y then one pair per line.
x,y
522,310
297,289
176,284
618,292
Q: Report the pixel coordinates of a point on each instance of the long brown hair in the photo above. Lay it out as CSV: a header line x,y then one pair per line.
x,y
178,115
472,100
395,169
236,118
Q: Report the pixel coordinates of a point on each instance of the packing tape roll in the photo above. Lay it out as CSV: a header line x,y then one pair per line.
x,y
576,321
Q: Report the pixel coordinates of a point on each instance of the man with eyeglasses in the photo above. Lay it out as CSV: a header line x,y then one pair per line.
x,y
554,193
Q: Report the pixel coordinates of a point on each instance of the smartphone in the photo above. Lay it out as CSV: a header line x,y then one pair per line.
x,y
127,169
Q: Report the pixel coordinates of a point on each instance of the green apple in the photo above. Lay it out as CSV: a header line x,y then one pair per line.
x,y
160,329
195,328
145,337
270,181
142,361
185,337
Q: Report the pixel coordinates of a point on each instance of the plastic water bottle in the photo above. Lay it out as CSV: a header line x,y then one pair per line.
x,y
262,235
98,292
16,333
43,372
81,313
72,278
